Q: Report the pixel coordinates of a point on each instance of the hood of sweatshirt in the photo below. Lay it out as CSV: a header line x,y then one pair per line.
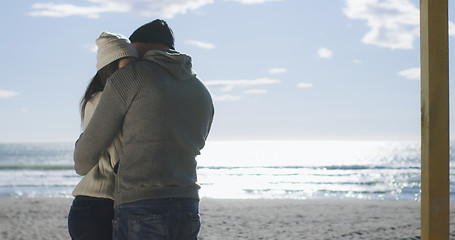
x,y
178,64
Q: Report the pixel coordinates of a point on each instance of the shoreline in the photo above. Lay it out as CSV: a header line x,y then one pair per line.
x,y
46,218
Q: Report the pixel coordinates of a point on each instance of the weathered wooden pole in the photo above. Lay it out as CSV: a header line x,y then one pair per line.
x,y
435,119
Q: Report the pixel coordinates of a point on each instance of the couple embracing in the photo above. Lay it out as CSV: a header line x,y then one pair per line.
x,y
146,116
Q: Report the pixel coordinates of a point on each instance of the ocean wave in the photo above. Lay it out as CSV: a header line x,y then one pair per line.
x,y
331,167
328,167
36,167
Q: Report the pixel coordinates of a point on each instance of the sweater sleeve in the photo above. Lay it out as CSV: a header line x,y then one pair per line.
x,y
101,130
90,109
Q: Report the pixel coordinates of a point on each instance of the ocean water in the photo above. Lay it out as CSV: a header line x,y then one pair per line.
x,y
387,170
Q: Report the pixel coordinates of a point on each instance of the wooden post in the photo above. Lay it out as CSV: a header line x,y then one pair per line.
x,y
435,119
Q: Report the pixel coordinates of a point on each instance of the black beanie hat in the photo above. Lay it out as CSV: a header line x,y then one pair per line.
x,y
154,32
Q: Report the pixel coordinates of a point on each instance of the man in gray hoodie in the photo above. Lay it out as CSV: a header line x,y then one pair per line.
x,y
165,113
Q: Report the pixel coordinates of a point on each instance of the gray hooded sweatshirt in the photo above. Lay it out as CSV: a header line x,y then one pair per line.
x,y
165,113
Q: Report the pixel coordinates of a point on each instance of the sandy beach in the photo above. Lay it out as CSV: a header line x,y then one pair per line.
x,y
46,218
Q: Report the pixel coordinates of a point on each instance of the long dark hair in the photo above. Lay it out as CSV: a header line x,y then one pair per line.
x,y
97,84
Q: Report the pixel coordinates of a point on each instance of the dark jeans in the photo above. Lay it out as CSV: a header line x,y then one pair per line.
x,y
171,219
91,218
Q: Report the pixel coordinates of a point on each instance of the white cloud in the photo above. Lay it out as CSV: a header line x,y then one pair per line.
x,y
24,109
251,2
393,23
7,93
158,8
305,85
412,73
227,88
255,91
91,47
66,10
325,53
277,70
357,61
200,44
451,29
94,49
230,84
226,97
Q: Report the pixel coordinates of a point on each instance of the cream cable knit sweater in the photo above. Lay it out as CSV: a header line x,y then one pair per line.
x,y
99,181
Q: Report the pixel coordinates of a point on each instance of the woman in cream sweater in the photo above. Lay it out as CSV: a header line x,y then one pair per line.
x,y
92,211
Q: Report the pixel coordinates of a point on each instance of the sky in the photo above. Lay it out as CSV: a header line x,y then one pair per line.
x,y
276,69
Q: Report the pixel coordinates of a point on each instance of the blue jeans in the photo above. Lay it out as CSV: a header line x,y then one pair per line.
x,y
170,219
90,218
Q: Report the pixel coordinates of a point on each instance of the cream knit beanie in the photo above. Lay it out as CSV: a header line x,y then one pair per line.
x,y
113,46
